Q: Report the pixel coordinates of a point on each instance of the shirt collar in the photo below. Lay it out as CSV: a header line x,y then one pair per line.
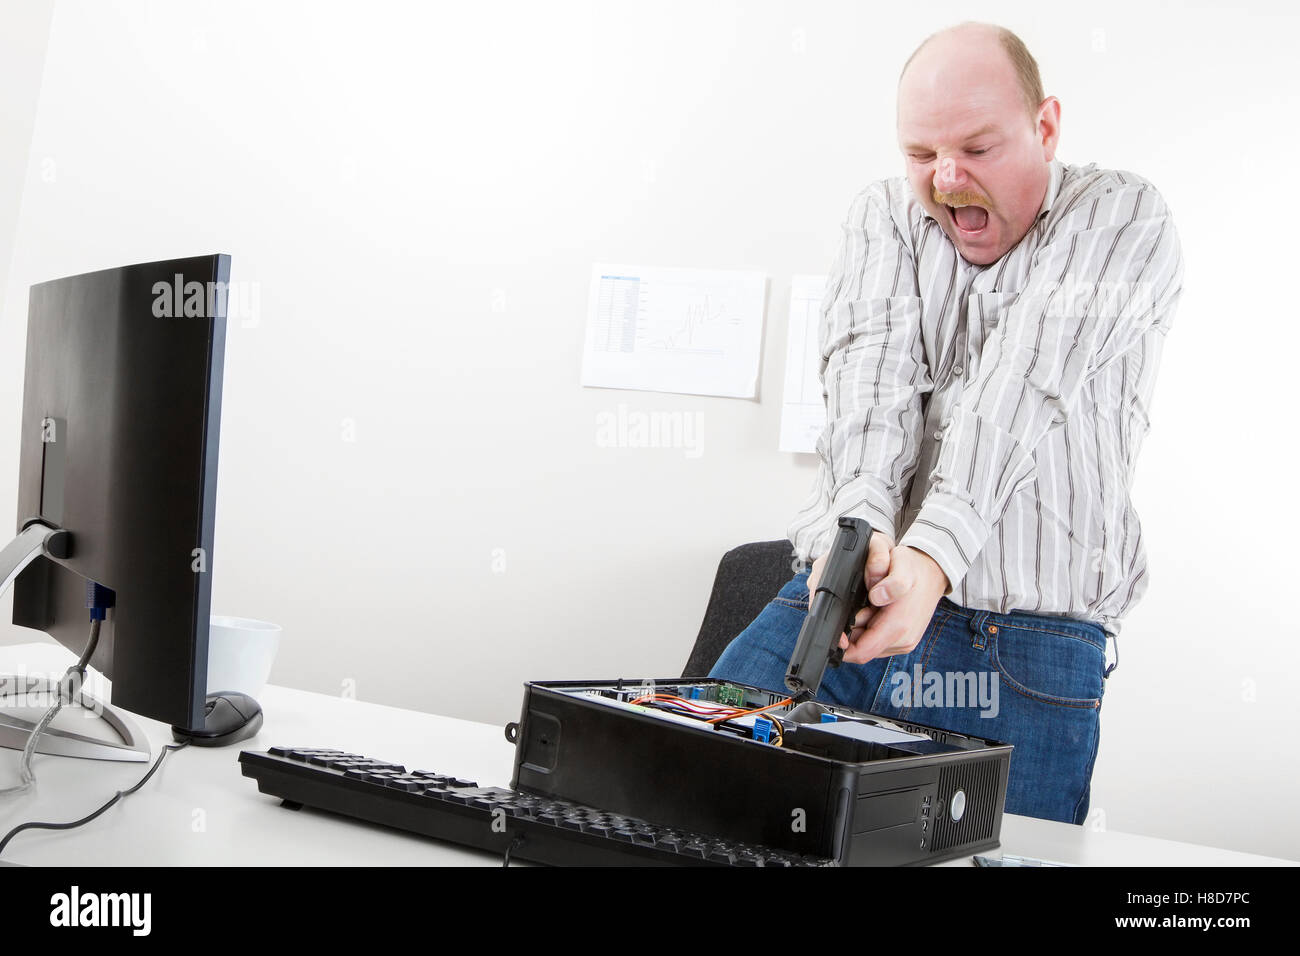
x,y
1053,188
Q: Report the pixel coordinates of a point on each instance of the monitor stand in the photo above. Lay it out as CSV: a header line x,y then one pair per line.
x,y
18,694
23,701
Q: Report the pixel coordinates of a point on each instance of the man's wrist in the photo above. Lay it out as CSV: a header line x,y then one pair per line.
x,y
933,571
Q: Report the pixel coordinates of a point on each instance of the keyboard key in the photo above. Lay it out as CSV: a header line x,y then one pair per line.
x,y
366,775
324,760
303,756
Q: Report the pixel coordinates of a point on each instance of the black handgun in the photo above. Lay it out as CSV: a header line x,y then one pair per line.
x,y
841,593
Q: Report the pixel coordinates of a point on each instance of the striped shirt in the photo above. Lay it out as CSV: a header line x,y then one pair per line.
x,y
1017,394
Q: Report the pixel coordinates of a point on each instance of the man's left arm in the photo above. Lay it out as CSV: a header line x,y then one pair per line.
x,y
1110,272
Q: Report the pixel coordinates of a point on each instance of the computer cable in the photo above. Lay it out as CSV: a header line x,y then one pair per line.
x,y
757,710
715,714
693,708
69,688
778,730
515,844
90,816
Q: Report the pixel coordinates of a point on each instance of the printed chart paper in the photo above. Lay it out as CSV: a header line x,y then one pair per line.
x,y
803,410
694,331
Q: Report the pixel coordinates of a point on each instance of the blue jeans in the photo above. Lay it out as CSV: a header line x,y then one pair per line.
x,y
1025,679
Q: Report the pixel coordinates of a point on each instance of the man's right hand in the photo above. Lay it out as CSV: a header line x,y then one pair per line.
x,y
879,550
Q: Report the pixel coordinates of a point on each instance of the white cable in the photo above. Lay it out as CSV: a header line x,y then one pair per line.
x,y
66,691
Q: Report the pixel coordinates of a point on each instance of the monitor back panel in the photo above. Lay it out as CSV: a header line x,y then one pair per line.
x,y
121,418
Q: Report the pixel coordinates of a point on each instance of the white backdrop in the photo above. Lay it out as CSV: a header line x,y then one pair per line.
x,y
411,482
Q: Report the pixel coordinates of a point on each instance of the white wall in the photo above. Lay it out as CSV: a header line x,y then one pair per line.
x,y
418,192
24,36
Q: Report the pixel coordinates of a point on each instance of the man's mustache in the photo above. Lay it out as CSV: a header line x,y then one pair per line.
x,y
960,199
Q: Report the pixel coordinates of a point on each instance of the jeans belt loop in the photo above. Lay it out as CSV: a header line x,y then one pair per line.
x,y
1111,666
980,629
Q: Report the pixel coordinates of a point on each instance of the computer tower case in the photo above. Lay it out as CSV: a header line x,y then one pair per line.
x,y
812,778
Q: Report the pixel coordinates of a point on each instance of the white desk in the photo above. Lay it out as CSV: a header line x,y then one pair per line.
x,y
200,810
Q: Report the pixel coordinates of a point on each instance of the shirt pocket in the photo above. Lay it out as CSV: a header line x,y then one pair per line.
x,y
984,313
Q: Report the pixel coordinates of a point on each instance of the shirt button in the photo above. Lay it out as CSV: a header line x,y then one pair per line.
x,y
938,435
957,370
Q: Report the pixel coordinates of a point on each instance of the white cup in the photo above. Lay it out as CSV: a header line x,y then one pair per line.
x,y
240,654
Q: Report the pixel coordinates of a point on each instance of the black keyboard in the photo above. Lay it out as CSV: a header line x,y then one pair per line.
x,y
511,823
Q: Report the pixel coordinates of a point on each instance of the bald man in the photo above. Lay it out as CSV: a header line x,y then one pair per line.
x,y
990,336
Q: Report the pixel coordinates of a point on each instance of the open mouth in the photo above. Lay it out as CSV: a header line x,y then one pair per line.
x,y
970,221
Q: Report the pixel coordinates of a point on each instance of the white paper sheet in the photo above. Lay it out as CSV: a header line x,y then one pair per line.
x,y
695,331
803,410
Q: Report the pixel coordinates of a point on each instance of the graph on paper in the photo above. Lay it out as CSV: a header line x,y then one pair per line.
x,y
674,330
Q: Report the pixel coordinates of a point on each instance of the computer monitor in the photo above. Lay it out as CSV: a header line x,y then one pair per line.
x,y
118,475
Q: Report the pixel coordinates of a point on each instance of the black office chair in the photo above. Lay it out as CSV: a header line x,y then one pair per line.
x,y
748,577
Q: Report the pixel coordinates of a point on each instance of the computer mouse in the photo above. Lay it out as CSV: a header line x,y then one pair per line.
x,y
231,717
